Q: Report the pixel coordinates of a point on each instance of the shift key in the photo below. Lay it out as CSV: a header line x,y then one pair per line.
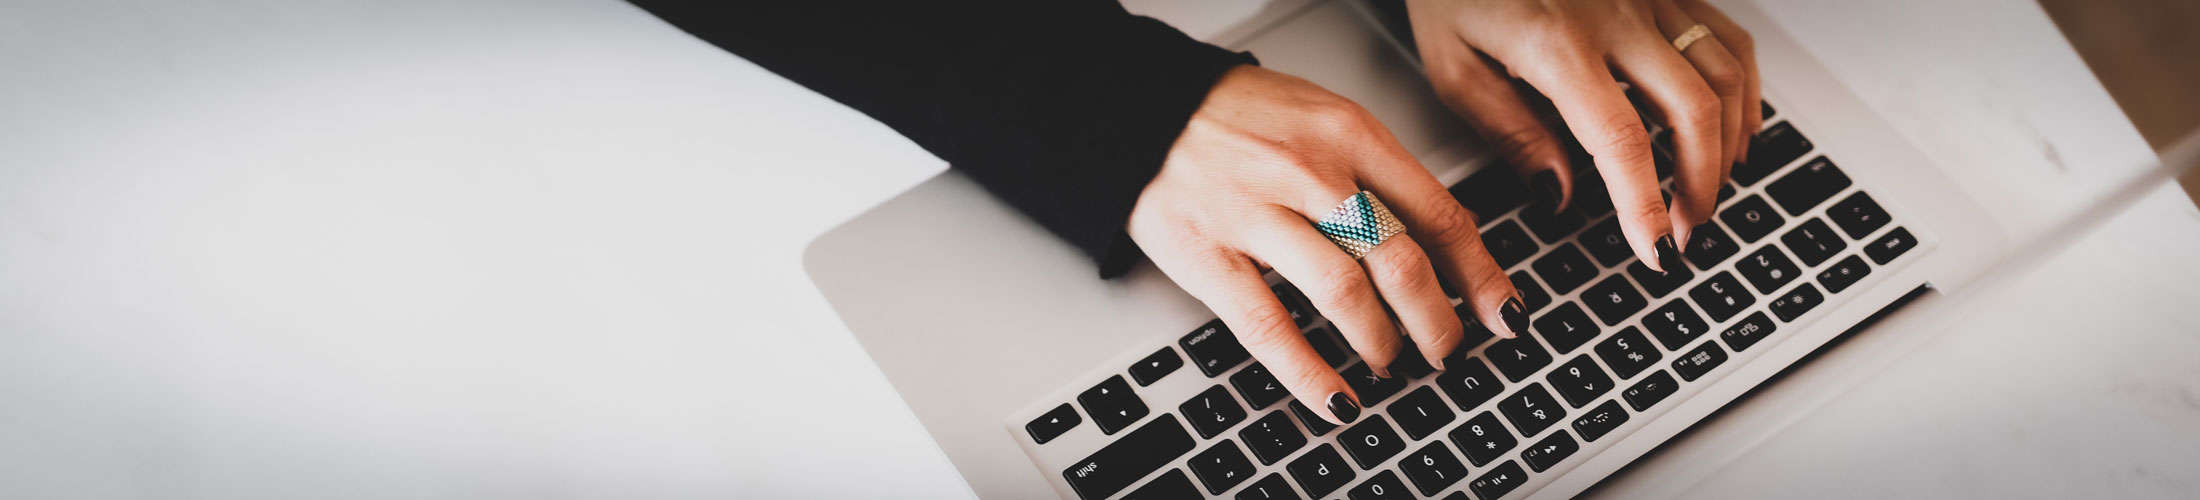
x,y
1128,459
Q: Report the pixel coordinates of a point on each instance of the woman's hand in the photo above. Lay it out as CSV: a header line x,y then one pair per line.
x,y
1568,51
1265,156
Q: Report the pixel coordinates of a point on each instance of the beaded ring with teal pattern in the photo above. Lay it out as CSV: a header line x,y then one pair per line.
x,y
1359,223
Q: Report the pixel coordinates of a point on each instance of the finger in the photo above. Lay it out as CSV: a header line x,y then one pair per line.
x,y
1407,281
1715,66
1230,285
1688,106
1333,281
1697,185
1737,42
1476,91
1597,112
1447,232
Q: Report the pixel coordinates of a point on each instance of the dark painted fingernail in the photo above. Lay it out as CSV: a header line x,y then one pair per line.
x,y
1515,316
1546,184
1343,407
1668,256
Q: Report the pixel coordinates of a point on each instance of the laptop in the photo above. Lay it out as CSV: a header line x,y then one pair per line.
x,y
1039,380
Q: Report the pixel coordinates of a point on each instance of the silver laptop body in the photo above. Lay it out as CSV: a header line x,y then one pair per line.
x,y
989,327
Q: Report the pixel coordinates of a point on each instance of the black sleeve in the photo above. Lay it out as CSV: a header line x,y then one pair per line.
x,y
1063,108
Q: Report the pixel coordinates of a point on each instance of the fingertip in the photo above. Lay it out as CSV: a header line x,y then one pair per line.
x,y
1668,255
1515,316
1546,185
1343,409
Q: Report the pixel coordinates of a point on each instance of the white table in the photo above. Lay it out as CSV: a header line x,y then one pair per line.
x,y
549,249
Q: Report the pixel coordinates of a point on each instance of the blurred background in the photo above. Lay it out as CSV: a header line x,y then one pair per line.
x,y
2147,54
511,248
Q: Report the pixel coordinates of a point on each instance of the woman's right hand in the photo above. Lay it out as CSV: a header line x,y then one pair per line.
x,y
1571,52
1264,156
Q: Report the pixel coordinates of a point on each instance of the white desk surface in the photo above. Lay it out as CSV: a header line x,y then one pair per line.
x,y
550,249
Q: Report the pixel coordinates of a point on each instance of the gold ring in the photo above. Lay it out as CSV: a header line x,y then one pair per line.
x,y
1687,38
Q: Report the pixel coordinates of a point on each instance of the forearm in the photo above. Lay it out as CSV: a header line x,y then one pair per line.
x,y
1065,109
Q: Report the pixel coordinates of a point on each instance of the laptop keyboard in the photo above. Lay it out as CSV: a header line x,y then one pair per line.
x,y
1611,340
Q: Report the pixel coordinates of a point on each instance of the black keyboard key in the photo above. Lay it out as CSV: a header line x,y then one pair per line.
x,y
1721,297
1591,199
1580,381
1606,243
1469,383
1658,284
1596,422
1767,269
1222,467
1751,218
1674,324
1482,439
1771,149
1796,301
1498,481
1371,441
1566,327
1420,413
1650,390
1726,192
1328,344
1259,387
1516,357
1551,227
1112,405
1410,365
1628,353
1128,459
1894,244
1813,242
1746,333
1384,486
1269,488
1170,486
1532,296
1613,299
1858,215
1432,468
1509,244
1565,268
1155,366
1212,411
1696,362
1320,471
1531,409
1371,389
1474,332
1213,348
1662,159
1315,424
1767,109
1807,186
1708,246
1550,451
1491,191
1302,312
1053,423
1843,273
1272,437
